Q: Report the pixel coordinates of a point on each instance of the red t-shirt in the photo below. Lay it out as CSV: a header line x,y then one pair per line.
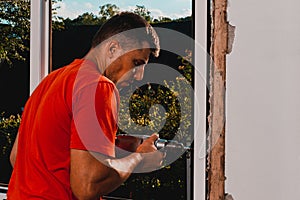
x,y
73,107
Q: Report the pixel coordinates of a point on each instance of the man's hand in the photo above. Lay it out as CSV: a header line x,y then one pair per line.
x,y
152,158
148,145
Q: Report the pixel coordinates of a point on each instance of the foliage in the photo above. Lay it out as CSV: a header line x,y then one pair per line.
x,y
54,8
57,21
183,19
162,19
15,29
8,131
84,19
107,11
186,68
166,183
144,12
167,19
14,32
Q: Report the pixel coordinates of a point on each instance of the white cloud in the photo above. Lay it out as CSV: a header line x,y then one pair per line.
x,y
75,9
128,8
88,5
156,13
67,11
184,13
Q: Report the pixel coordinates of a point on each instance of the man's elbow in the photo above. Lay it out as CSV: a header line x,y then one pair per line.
x,y
85,192
84,189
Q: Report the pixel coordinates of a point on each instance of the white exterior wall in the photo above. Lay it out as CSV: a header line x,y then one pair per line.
x,y
263,101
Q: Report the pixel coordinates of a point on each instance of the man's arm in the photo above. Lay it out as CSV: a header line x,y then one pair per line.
x,y
91,178
13,153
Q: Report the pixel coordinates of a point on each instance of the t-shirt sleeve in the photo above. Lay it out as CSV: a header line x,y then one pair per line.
x,y
94,123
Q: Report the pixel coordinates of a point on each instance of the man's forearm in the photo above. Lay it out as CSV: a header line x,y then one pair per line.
x,y
118,171
124,166
99,174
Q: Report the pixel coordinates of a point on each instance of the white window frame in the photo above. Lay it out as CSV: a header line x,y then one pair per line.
x,y
201,63
39,41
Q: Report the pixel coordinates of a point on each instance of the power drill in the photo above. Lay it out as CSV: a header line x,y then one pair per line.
x,y
132,141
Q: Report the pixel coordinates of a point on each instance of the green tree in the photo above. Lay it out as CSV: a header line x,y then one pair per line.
x,y
84,19
162,19
107,11
183,19
8,131
144,12
57,21
15,28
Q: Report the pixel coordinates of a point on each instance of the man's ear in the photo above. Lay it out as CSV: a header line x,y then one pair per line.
x,y
113,48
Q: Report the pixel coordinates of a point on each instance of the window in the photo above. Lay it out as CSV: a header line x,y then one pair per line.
x,y
63,45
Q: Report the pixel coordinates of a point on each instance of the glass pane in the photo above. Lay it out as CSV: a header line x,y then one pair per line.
x,y
171,75
14,75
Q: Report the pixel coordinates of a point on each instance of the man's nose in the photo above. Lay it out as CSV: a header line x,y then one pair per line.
x,y
139,73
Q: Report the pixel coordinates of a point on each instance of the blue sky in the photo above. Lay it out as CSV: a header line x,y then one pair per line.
x,y
166,8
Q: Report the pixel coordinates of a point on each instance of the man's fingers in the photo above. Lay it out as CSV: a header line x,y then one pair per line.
x,y
151,161
148,144
153,137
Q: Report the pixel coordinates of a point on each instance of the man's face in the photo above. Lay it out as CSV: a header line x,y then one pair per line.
x,y
129,66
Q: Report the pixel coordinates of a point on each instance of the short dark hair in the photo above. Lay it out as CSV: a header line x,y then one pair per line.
x,y
137,28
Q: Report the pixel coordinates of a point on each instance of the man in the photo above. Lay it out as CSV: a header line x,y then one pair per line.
x,y
65,145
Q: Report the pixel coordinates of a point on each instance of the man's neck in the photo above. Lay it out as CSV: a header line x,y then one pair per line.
x,y
95,56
